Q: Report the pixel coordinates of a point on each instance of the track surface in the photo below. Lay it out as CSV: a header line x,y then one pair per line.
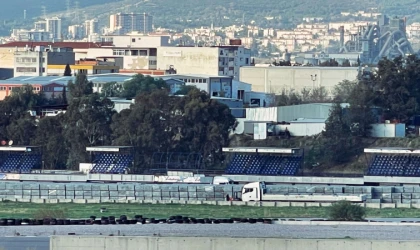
x,y
24,243
222,230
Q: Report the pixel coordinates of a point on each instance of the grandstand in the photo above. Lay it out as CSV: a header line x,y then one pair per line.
x,y
393,162
111,159
19,159
265,161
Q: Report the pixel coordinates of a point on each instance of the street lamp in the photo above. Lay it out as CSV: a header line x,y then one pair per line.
x,y
313,78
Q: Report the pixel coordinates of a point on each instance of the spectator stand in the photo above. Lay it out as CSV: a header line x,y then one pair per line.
x,y
162,162
111,159
265,161
393,161
19,159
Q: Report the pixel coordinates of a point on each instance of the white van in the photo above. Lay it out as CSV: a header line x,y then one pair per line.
x,y
222,180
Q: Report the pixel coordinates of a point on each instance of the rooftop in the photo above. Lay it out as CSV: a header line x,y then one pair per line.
x,y
74,45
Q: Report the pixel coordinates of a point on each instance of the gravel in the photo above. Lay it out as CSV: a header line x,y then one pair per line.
x,y
225,230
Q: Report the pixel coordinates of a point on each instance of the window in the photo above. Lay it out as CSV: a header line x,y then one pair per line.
x,y
134,52
246,61
133,40
10,88
26,69
118,52
26,59
248,190
241,94
200,80
143,52
204,80
152,52
152,62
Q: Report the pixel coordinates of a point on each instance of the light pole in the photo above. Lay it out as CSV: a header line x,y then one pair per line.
x,y
313,78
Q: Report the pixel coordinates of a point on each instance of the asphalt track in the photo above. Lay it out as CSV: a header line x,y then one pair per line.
x,y
371,232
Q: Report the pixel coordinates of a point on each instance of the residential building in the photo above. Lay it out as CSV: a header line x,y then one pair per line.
x,y
88,66
123,23
7,51
54,27
76,32
91,27
40,25
30,35
35,62
216,60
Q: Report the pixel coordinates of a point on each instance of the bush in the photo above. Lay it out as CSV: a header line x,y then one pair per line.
x,y
346,211
50,213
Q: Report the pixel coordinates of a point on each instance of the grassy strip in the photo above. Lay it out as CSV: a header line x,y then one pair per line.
x,y
71,210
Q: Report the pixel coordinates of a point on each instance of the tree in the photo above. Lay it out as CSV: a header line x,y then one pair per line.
x,y
111,89
185,89
141,84
87,123
344,90
319,95
396,87
67,70
286,100
346,211
49,136
81,87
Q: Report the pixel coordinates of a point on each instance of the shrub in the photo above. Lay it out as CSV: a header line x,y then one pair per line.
x,y
49,213
346,211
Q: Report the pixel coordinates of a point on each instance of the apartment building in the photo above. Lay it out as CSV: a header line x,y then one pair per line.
x,y
123,23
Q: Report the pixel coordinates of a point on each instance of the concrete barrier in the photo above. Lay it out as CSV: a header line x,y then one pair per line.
x,y
221,243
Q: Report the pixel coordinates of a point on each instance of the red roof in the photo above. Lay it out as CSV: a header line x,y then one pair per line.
x,y
74,45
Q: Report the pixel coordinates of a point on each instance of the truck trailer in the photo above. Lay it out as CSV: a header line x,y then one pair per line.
x,y
257,191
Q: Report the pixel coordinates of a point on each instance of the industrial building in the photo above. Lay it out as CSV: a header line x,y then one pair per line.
x,y
278,79
386,38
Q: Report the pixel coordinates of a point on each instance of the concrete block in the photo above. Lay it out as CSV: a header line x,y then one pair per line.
x,y
192,202
123,201
165,202
37,200
403,205
224,203
135,201
210,202
93,201
282,204
52,201
23,200
313,204
373,205
239,203
268,204
387,205
415,205
79,201
325,204
298,204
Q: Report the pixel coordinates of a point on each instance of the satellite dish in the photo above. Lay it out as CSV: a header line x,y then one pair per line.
x,y
10,142
3,143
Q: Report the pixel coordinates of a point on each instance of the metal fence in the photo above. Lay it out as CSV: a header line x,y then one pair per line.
x,y
13,190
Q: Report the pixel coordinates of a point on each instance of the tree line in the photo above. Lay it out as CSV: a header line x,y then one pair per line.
x,y
389,92
156,122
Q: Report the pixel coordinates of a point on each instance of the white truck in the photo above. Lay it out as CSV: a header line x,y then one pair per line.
x,y
257,191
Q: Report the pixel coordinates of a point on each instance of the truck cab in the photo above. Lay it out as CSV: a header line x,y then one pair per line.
x,y
253,191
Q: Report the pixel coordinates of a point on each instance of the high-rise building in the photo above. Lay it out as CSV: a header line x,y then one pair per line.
x,y
122,23
40,25
76,32
91,27
54,27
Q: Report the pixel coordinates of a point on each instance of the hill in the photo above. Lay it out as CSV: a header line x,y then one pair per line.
x,y
14,10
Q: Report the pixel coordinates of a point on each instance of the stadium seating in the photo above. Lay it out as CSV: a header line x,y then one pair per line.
x,y
20,163
111,163
394,165
264,165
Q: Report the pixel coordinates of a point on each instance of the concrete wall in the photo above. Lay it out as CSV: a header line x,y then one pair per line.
x,y
277,79
210,243
189,60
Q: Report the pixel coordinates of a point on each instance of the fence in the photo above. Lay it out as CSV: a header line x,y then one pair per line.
x,y
103,192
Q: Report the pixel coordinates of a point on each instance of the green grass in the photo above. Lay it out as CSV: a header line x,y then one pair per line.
x,y
71,210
